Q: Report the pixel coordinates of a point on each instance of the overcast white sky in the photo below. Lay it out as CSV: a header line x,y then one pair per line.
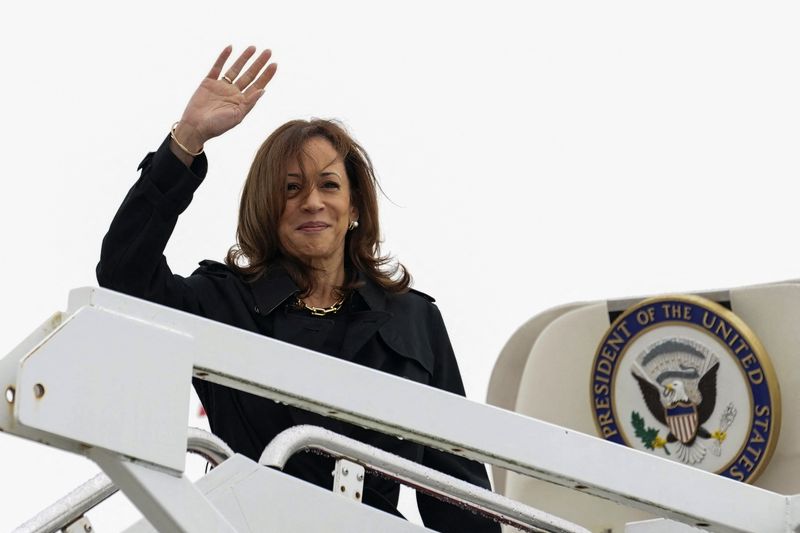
x,y
535,153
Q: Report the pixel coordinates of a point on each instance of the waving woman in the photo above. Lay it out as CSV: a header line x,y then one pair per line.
x,y
306,269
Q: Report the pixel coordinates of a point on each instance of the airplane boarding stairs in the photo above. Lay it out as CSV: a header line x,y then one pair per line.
x,y
58,380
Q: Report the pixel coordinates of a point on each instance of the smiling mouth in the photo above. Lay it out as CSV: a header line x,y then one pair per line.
x,y
312,226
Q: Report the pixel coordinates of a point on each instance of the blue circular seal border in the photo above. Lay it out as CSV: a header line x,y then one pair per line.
x,y
732,332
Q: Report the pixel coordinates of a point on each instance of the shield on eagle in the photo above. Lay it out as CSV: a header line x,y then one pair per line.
x,y
682,421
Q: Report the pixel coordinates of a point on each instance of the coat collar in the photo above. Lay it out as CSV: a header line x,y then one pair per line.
x,y
271,290
274,288
373,295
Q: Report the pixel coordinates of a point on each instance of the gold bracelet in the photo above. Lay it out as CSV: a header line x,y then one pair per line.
x,y
182,147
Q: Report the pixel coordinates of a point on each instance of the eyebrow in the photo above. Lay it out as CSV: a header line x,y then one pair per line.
x,y
325,173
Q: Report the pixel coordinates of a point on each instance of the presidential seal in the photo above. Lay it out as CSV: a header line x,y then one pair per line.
x,y
684,378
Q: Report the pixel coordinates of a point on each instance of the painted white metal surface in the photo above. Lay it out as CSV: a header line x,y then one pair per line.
x,y
91,493
659,525
103,379
793,512
348,480
773,312
81,525
509,370
477,499
71,507
282,372
257,499
573,336
558,364
170,502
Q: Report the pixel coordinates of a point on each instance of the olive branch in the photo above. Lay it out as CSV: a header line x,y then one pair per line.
x,y
648,436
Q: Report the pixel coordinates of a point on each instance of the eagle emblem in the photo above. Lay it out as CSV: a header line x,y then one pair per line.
x,y
684,378
680,391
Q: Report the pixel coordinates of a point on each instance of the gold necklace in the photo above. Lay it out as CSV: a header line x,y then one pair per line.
x,y
321,311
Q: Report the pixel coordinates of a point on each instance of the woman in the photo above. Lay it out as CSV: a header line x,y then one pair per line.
x,y
306,270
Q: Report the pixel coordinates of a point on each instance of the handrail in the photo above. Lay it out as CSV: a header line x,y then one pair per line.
x,y
71,507
144,332
208,446
78,502
433,482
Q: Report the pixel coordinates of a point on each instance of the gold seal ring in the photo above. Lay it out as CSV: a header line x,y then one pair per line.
x,y
226,78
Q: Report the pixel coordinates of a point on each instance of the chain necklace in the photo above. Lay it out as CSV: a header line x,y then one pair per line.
x,y
321,311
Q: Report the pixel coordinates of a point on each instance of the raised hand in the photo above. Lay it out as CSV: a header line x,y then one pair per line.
x,y
220,103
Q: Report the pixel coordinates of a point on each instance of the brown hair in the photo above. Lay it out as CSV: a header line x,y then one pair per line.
x,y
263,201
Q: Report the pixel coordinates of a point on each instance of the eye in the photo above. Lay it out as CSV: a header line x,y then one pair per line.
x,y
293,187
330,184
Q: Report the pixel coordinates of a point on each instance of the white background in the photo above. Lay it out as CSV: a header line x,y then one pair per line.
x,y
534,153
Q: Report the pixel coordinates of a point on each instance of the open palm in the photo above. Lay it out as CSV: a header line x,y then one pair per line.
x,y
219,104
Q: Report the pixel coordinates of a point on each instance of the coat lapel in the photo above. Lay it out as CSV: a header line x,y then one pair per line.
x,y
365,324
271,290
362,327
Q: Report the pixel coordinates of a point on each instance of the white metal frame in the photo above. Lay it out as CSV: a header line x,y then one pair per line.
x,y
149,352
352,454
69,510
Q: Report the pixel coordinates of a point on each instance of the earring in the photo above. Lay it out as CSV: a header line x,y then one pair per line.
x,y
353,225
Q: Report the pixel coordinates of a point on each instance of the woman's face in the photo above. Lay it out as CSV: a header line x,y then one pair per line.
x,y
318,209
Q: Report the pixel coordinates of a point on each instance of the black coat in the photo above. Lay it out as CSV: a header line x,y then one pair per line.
x,y
400,334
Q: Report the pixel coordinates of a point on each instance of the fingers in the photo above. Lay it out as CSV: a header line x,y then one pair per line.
x,y
234,70
251,73
256,90
261,82
220,62
252,82
243,82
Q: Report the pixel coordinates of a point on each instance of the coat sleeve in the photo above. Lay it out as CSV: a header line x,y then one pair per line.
x,y
436,514
132,256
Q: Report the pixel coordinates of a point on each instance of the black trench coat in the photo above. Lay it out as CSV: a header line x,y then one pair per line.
x,y
401,334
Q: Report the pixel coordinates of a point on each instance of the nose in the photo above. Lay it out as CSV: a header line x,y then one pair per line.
x,y
312,202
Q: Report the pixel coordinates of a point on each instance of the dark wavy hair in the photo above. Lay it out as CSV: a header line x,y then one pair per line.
x,y
259,248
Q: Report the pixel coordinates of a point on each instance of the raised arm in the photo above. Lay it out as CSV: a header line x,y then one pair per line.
x,y
131,259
